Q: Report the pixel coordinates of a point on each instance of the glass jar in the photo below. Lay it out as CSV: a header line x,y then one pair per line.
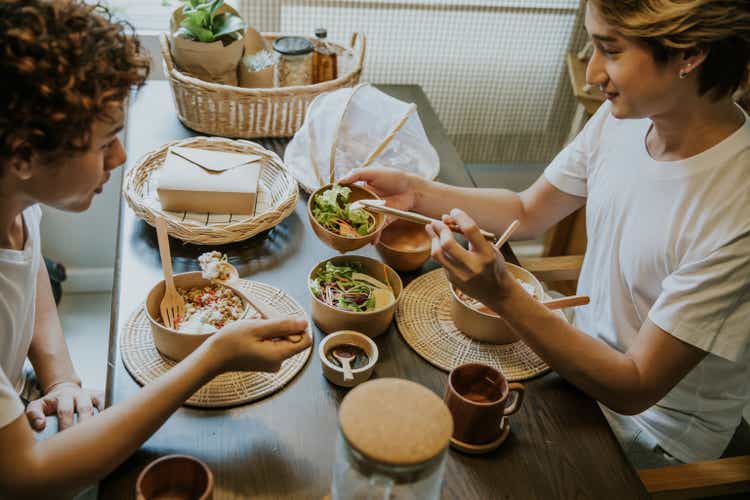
x,y
324,65
295,64
357,477
392,442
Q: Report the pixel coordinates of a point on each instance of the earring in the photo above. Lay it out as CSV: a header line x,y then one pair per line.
x,y
684,73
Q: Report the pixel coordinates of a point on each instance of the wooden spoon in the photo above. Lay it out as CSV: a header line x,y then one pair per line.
x,y
172,307
571,301
265,310
345,358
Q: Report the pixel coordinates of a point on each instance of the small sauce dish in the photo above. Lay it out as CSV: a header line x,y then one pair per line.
x,y
335,373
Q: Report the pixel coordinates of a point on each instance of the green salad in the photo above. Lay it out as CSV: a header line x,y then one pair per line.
x,y
347,287
332,210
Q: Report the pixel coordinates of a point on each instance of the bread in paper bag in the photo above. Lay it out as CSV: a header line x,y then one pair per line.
x,y
198,180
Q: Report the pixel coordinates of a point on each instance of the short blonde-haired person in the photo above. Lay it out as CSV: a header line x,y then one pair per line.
x,y
67,70
663,169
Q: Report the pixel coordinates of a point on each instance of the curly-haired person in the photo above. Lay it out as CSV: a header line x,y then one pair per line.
x,y
67,69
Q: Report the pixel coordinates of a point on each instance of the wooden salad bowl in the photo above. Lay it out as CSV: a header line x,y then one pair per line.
x,y
337,241
371,323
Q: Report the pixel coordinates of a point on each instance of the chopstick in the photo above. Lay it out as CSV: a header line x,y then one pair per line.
x,y
507,234
411,216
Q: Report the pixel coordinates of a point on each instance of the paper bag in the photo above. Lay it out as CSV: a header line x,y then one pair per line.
x,y
211,62
197,180
248,77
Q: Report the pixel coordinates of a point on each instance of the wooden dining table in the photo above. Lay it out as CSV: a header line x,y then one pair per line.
x,y
282,446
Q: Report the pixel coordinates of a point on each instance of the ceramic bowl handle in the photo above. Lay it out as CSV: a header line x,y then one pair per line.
x,y
516,404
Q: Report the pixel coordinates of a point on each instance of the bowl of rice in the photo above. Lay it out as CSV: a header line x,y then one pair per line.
x,y
479,322
208,308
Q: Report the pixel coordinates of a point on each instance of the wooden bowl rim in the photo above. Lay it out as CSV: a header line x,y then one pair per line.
x,y
332,336
375,231
356,314
505,391
166,458
171,330
398,250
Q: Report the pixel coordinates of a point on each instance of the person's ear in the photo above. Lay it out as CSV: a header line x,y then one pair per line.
x,y
690,59
20,166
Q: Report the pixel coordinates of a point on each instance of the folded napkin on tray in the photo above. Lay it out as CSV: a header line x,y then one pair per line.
x,y
198,180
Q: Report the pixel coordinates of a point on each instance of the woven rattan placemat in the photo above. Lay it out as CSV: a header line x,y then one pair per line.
x,y
145,363
424,319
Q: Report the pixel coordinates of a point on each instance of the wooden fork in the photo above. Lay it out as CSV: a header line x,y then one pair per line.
x,y
172,307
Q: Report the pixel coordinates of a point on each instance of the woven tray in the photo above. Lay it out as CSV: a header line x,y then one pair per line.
x,y
277,195
225,110
423,317
144,363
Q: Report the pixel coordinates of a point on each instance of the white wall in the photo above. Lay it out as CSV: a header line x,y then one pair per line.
x,y
85,242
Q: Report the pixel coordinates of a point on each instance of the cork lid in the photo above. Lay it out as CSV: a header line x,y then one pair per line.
x,y
395,421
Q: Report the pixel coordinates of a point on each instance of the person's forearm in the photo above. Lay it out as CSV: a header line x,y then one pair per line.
x,y
87,452
48,352
600,371
492,209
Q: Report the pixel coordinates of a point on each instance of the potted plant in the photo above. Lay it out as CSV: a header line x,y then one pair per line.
x,y
207,40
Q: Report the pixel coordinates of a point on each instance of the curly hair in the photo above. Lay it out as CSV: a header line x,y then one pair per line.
x,y
64,64
671,26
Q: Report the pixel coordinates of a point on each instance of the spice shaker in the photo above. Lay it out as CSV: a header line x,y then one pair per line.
x,y
295,66
324,64
392,442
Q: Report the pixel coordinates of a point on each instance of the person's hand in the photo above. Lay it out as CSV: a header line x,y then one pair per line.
x,y
480,271
395,186
64,400
257,345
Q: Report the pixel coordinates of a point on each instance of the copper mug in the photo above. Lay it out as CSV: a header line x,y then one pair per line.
x,y
478,397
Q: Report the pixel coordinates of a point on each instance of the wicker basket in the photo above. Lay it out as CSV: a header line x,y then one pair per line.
x,y
229,111
277,195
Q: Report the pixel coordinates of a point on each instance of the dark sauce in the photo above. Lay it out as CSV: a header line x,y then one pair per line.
x,y
358,356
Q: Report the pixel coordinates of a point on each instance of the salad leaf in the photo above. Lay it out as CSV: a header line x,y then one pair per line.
x,y
342,287
332,210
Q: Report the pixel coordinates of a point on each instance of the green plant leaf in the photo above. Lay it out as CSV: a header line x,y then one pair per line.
x,y
215,6
227,23
194,25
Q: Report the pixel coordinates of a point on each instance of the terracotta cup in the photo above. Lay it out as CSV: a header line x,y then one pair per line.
x,y
175,477
478,397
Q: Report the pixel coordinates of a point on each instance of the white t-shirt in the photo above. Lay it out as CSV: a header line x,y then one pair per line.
x,y
18,275
10,403
668,241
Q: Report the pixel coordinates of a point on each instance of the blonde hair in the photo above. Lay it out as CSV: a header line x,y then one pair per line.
x,y
672,26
